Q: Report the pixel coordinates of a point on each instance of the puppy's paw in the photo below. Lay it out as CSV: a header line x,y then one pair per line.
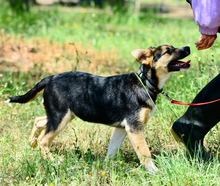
x,y
151,168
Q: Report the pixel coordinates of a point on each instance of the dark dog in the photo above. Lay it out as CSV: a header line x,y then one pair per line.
x,y
119,101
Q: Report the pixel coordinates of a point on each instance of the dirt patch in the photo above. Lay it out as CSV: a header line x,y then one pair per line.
x,y
17,54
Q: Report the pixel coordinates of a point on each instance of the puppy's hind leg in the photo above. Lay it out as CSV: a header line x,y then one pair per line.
x,y
115,142
53,128
39,124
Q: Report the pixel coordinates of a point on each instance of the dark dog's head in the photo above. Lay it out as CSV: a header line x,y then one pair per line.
x,y
161,61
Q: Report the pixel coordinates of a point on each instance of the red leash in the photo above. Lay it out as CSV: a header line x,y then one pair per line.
x,y
190,104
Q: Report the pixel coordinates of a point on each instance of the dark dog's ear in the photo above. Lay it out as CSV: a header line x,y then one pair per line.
x,y
142,56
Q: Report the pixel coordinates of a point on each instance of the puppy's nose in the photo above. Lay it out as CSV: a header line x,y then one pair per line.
x,y
185,49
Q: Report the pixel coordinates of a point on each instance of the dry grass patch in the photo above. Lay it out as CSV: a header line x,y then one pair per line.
x,y
46,55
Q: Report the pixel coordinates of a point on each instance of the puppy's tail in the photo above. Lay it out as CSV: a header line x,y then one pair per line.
x,y
31,94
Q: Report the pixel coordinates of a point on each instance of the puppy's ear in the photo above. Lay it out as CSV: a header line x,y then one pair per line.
x,y
142,55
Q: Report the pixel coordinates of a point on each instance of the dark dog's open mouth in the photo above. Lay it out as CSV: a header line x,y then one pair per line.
x,y
178,65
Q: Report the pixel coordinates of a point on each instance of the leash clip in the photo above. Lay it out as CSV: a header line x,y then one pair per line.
x,y
166,95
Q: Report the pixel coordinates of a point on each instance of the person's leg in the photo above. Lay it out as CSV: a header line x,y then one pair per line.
x,y
197,121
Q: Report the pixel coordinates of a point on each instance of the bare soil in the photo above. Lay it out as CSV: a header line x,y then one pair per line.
x,y
42,54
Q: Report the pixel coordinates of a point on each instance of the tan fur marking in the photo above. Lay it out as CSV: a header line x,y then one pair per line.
x,y
162,77
44,140
39,124
39,93
144,115
140,145
149,61
143,56
165,47
162,72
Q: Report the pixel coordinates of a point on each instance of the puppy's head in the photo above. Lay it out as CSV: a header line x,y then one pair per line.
x,y
164,59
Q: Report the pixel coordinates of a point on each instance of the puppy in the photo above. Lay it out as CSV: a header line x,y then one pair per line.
x,y
119,101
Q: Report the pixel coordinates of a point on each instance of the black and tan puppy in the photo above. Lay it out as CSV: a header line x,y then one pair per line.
x,y
119,101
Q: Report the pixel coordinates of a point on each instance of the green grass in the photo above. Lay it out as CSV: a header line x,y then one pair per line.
x,y
83,146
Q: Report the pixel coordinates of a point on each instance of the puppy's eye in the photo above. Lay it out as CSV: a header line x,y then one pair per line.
x,y
169,51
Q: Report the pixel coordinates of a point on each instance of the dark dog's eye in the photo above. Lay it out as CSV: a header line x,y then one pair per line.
x,y
168,51
158,54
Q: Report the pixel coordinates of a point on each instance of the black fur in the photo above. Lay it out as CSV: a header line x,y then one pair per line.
x,y
93,98
31,93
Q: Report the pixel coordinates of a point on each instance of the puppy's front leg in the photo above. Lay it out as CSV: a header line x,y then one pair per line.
x,y
115,142
141,148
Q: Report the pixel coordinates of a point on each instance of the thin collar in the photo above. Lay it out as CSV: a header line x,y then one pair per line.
x,y
147,83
